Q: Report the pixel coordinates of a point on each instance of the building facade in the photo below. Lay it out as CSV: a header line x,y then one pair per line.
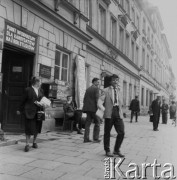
x,y
54,39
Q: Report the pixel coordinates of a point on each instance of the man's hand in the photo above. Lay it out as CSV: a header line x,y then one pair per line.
x,y
18,112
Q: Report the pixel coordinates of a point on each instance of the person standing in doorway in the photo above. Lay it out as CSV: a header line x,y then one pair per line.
x,y
135,108
29,107
164,111
113,115
155,106
90,108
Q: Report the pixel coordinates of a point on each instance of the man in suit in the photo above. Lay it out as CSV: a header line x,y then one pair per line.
x,y
113,115
90,108
155,106
135,108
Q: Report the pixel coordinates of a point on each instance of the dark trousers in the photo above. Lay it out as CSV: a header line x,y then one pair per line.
x,y
96,131
119,127
155,122
136,115
164,118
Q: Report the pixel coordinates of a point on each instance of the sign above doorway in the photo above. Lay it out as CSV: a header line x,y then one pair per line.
x,y
19,37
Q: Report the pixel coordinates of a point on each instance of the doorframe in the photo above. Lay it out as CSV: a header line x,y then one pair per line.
x,y
18,50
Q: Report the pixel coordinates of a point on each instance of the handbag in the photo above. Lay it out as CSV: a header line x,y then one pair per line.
x,y
40,115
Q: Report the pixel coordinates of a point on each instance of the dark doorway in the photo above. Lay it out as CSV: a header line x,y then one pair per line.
x,y
107,81
17,71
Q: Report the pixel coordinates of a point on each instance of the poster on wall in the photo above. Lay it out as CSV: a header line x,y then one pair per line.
x,y
80,83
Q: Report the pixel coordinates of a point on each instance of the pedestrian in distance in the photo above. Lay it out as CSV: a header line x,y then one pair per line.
x,y
71,113
90,108
111,98
29,107
135,109
173,112
164,111
155,106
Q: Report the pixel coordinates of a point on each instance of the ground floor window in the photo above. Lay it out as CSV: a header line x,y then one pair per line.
x,y
130,93
142,96
61,66
124,93
147,97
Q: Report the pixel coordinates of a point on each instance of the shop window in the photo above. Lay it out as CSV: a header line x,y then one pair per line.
x,y
124,93
142,96
61,66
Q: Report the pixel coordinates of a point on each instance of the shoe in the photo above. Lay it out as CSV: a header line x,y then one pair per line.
x,y
27,148
136,121
97,141
79,132
86,141
108,154
35,145
130,121
118,154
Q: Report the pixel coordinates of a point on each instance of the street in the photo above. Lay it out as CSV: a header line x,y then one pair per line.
x,y
65,157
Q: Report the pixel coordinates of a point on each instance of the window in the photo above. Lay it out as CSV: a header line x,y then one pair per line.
x,y
122,3
127,44
113,31
127,7
133,50
147,97
130,93
88,12
137,55
143,58
61,66
151,67
133,15
124,93
149,33
147,63
137,21
144,25
87,75
134,91
102,21
142,96
121,39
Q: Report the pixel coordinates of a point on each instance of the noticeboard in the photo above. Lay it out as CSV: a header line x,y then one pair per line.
x,y
19,37
45,71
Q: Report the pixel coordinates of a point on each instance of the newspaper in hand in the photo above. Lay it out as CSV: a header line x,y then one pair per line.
x,y
45,102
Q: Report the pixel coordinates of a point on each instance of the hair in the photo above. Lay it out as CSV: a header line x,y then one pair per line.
x,y
69,96
173,102
94,80
34,80
114,76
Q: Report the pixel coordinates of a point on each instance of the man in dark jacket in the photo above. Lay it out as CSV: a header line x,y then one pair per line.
x,y
135,108
155,106
90,108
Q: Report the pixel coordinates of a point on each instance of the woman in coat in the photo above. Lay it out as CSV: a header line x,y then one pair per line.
x,y
164,112
29,107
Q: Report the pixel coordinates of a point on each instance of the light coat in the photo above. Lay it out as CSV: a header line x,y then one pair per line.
x,y
106,99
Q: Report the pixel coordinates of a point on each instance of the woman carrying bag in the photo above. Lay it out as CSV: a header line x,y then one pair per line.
x,y
30,107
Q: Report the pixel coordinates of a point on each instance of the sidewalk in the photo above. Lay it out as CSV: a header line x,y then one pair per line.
x,y
66,157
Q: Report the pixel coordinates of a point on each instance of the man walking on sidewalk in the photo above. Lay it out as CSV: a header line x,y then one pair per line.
x,y
156,112
90,108
135,108
113,115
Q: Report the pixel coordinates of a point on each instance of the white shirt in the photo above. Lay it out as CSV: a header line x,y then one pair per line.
x,y
117,104
36,90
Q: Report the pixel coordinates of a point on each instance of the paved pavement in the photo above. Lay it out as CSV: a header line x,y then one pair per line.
x,y
66,157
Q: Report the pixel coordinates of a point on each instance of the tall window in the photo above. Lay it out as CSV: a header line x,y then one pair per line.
x,y
127,7
137,22
88,10
134,91
133,15
122,3
113,31
142,96
143,58
144,25
127,44
149,33
151,67
87,75
124,93
147,97
130,93
61,66
102,21
133,50
137,56
121,38
147,63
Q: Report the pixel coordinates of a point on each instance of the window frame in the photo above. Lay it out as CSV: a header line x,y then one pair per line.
x,y
61,65
113,39
100,29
